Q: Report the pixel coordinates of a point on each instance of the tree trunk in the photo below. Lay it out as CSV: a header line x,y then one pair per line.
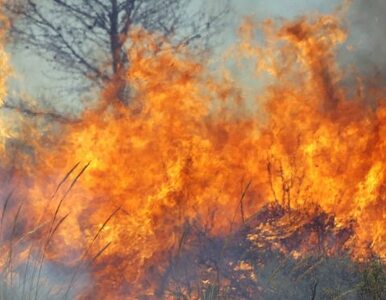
x,y
118,77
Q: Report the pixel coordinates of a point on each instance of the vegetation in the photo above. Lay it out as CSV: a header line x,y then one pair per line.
x,y
373,283
273,271
89,39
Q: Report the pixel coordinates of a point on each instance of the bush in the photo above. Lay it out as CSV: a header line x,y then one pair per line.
x,y
374,281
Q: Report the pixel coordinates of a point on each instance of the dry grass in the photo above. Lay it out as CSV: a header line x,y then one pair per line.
x,y
32,278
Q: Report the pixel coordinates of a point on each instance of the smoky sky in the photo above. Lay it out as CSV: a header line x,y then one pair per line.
x,y
367,24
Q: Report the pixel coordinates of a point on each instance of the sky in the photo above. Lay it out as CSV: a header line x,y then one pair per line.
x,y
37,78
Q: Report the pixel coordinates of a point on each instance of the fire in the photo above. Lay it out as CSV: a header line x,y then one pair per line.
x,y
4,71
180,153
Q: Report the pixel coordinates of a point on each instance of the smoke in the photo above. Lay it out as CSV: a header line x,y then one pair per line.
x,y
367,26
165,164
52,283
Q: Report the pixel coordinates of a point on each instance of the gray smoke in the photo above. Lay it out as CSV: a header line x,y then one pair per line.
x,y
367,28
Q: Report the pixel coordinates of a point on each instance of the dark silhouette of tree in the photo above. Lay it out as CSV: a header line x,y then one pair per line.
x,y
90,37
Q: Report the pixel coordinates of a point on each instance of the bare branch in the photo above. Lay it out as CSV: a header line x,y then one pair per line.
x,y
90,38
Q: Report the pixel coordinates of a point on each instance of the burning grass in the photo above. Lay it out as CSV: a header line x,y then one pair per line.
x,y
195,190
275,254
272,256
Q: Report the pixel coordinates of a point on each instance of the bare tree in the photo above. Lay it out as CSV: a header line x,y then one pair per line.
x,y
90,37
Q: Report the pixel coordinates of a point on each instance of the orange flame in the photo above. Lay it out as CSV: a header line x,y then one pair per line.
x,y
4,72
188,144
